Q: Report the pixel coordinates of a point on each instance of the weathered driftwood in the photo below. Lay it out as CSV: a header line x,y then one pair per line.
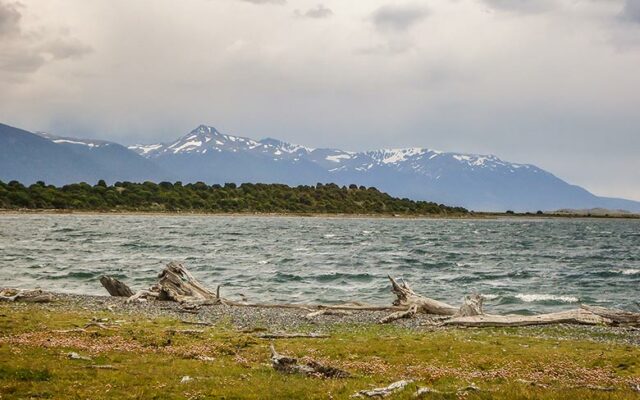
x,y
143,295
575,317
617,317
290,365
27,296
422,392
384,391
406,297
472,305
327,311
177,284
413,310
115,287
471,314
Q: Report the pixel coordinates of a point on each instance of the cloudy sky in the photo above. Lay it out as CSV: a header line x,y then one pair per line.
x,y
555,83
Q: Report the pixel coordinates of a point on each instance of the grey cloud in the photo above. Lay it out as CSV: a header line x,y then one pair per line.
x,y
520,6
398,18
318,12
631,11
63,48
25,52
20,61
451,78
9,19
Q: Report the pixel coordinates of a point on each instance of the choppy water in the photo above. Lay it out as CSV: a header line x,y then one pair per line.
x,y
518,264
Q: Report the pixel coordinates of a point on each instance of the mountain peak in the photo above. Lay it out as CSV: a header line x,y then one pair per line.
x,y
205,129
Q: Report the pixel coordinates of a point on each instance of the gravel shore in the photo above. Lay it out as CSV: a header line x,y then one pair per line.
x,y
276,319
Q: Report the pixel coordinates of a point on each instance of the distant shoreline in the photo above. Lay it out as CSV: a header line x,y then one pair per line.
x,y
470,216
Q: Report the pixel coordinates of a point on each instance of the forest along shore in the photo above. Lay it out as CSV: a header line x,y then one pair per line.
x,y
105,347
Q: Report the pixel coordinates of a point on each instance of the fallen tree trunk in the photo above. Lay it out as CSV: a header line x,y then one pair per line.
x,y
576,317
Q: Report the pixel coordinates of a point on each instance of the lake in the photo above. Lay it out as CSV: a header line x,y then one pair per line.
x,y
519,265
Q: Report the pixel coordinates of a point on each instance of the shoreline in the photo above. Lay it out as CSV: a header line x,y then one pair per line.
x,y
471,216
283,317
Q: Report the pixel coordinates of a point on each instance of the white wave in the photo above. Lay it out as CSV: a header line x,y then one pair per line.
x,y
630,271
490,296
329,235
263,262
530,298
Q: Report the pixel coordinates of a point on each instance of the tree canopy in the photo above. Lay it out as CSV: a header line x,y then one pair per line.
x,y
227,198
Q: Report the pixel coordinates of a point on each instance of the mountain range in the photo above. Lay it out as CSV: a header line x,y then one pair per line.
x,y
477,182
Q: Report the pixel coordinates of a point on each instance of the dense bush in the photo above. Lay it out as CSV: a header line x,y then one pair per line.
x,y
200,197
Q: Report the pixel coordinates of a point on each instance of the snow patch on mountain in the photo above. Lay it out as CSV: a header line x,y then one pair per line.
x,y
338,157
91,143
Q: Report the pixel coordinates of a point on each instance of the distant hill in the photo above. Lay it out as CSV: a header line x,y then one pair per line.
x,y
476,182
29,157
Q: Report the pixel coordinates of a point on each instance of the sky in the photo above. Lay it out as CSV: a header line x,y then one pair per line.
x,y
555,83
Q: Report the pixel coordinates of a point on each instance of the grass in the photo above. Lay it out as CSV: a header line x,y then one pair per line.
x,y
149,361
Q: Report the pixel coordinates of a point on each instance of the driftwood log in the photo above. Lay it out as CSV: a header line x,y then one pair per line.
x,y
384,391
175,283
27,296
406,297
290,365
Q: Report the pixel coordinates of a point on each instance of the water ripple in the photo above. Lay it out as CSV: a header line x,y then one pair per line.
x,y
517,265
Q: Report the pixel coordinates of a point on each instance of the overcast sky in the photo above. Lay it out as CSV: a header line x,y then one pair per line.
x,y
554,83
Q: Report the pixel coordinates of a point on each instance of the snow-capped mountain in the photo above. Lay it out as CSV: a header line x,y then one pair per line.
x,y
480,182
477,182
427,162
206,139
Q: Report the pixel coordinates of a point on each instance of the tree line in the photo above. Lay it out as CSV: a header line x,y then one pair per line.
x,y
227,198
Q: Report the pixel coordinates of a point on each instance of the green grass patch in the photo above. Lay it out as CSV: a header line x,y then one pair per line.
x,y
147,361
